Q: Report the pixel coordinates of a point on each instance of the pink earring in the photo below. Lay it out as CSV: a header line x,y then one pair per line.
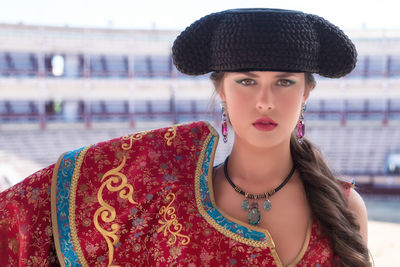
x,y
301,128
224,123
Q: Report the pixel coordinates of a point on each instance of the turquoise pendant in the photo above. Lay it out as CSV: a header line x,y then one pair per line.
x,y
245,204
254,214
267,204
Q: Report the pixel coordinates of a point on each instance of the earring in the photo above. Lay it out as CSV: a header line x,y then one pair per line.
x,y
301,128
224,123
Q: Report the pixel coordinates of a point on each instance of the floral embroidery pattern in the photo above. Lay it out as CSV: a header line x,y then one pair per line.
x,y
159,224
26,237
169,221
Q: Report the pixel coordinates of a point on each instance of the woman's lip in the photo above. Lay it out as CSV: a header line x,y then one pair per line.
x,y
265,121
265,127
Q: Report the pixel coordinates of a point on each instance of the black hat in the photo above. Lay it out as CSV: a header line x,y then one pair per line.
x,y
264,39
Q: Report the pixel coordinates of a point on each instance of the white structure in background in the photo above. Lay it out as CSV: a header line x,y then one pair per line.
x,y
96,69
81,64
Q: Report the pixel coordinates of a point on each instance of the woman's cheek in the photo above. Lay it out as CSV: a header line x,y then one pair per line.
x,y
291,107
232,101
232,112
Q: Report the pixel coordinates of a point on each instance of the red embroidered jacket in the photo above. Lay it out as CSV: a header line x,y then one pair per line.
x,y
138,200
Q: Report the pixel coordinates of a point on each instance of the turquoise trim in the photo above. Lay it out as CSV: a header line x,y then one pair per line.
x,y
64,178
212,211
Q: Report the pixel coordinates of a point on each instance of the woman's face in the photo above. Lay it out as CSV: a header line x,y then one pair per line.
x,y
263,106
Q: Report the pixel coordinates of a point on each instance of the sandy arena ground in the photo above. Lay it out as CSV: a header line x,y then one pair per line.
x,y
384,243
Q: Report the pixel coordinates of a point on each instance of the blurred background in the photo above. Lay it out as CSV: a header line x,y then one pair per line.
x,y
74,73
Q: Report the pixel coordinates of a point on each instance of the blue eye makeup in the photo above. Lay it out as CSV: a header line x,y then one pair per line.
x,y
285,82
250,82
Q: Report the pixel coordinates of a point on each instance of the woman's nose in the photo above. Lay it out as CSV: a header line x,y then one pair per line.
x,y
265,100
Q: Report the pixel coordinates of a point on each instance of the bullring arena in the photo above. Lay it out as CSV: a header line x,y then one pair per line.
x,y
64,87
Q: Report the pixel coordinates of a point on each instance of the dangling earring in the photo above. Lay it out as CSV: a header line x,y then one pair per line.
x,y
224,123
301,128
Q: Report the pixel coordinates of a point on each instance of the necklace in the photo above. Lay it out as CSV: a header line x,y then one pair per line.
x,y
254,214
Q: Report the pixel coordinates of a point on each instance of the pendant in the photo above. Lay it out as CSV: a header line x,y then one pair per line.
x,y
267,204
254,214
245,204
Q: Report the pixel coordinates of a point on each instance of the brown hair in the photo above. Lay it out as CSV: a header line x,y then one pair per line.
x,y
325,196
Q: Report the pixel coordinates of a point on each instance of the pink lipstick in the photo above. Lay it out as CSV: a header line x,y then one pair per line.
x,y
265,124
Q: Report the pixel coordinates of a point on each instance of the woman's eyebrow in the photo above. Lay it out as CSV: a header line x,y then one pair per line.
x,y
280,75
250,74
285,75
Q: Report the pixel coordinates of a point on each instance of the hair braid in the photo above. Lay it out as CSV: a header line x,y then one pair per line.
x,y
325,196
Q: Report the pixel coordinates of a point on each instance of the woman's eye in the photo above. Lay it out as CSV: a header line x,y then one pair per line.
x,y
285,82
246,82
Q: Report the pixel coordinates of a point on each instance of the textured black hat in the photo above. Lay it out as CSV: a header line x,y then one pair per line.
x,y
264,39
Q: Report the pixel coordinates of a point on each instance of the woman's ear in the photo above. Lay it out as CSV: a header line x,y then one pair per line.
x,y
221,93
307,92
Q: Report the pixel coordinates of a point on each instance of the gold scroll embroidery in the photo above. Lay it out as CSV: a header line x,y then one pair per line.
x,y
106,211
170,134
170,224
131,138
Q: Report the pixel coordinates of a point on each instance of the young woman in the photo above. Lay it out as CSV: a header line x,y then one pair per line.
x,y
155,199
261,62
264,108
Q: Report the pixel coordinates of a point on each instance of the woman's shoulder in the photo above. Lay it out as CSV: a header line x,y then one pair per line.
x,y
352,197
356,204
347,186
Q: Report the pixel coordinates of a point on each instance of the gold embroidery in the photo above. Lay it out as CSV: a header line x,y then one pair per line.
x,y
136,136
172,221
54,211
170,134
106,211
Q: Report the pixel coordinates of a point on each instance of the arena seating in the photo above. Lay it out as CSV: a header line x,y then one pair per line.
x,y
351,147
354,150
189,109
18,64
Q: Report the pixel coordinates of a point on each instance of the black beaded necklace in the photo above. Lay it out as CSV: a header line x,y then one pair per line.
x,y
254,214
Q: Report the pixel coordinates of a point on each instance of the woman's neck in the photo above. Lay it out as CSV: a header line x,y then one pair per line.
x,y
257,170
